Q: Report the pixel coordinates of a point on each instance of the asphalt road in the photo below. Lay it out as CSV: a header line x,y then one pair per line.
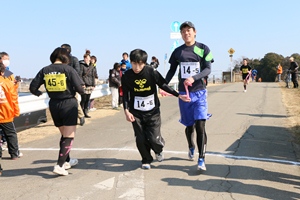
x,y
250,155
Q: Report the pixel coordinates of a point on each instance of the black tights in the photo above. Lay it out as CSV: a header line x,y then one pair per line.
x,y
84,103
201,136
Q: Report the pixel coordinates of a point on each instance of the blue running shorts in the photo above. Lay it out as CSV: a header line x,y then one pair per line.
x,y
194,110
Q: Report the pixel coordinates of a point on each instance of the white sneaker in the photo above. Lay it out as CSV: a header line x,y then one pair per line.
x,y
146,166
93,109
4,146
60,170
20,155
245,90
159,157
71,163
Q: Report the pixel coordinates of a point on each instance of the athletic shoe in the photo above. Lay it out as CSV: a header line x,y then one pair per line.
x,y
71,163
146,166
82,121
245,90
60,170
92,109
19,156
4,146
201,164
191,153
160,156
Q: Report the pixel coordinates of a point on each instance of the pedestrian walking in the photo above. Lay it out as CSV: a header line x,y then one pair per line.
x,y
294,71
61,82
87,74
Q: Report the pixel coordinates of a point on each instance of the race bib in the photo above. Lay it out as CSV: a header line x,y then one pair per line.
x,y
55,82
189,69
144,103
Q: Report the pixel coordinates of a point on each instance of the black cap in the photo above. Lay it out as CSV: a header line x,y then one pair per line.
x,y
187,23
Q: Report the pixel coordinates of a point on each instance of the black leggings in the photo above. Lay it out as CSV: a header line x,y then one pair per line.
x,y
294,79
84,103
201,136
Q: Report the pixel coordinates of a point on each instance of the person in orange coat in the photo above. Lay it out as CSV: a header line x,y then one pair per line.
x,y
279,72
9,109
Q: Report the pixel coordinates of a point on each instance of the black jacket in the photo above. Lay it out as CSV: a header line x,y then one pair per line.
x,y
73,82
74,63
87,73
114,78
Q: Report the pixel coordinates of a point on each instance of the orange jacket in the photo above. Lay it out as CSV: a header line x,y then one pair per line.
x,y
9,105
279,69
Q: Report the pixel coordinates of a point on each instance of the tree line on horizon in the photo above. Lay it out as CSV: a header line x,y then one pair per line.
x,y
267,66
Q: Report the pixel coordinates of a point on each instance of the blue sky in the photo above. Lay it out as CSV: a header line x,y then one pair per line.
x,y
32,29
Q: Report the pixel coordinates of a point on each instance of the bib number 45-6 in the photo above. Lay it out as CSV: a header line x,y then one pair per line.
x,y
55,82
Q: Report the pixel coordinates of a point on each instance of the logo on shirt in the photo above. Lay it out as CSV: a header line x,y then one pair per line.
x,y
141,83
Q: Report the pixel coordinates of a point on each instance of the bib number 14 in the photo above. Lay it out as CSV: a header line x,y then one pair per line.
x,y
144,103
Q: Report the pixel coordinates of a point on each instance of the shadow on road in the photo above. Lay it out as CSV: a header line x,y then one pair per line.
x,y
232,186
104,164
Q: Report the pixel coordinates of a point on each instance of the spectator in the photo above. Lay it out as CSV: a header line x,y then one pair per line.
x,y
9,107
94,64
123,69
6,62
114,84
74,63
279,72
294,71
10,76
254,74
126,61
154,62
63,105
87,73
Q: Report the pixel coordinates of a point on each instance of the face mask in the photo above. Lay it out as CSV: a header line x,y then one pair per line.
x,y
6,63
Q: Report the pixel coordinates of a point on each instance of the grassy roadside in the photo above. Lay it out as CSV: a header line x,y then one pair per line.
x,y
291,99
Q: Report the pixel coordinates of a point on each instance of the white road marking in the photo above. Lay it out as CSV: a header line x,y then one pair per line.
x,y
131,186
106,185
219,154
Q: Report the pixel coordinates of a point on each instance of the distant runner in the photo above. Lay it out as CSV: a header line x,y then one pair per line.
x,y
246,73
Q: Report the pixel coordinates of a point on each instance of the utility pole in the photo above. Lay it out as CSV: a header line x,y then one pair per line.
x,y
231,52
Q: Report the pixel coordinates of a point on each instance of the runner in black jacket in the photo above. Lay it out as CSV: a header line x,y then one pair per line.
x,y
141,105
61,82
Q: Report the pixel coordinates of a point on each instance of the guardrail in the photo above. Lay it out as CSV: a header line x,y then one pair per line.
x,y
31,103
